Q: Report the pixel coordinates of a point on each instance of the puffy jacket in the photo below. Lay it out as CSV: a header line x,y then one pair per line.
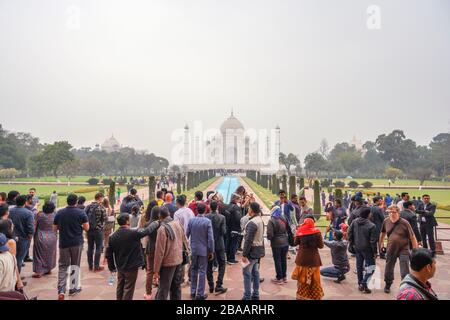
x,y
254,239
362,234
277,233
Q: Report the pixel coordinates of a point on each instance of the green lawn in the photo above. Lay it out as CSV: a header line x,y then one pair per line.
x,y
44,191
51,179
441,197
399,182
269,198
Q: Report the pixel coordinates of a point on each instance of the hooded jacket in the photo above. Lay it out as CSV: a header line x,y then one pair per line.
x,y
362,234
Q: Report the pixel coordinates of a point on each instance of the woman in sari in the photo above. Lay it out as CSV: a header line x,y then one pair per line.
x,y
44,245
308,262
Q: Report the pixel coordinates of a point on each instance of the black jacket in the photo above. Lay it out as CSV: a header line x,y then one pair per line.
x,y
234,218
354,214
277,233
219,229
377,217
124,252
427,212
129,202
362,234
412,219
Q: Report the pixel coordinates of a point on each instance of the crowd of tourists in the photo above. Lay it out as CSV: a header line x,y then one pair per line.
x,y
182,242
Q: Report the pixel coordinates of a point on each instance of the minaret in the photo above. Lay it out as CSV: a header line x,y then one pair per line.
x,y
277,142
187,144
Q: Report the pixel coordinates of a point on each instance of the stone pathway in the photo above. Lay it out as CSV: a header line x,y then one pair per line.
x,y
95,286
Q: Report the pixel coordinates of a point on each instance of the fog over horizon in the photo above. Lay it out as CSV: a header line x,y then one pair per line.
x,y
81,70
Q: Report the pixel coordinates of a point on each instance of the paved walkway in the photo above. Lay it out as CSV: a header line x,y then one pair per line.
x,y
95,285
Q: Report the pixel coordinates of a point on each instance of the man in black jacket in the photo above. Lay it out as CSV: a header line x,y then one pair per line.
x,y
124,255
219,230
427,221
409,214
377,217
233,227
362,236
355,213
96,213
131,201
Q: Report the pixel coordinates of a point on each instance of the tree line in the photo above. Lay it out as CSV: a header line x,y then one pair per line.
x,y
390,156
22,154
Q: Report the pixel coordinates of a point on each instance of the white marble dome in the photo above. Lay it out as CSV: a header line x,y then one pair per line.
x,y
232,123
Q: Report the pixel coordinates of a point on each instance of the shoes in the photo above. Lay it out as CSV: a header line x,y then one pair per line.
x,y
361,287
220,290
73,292
366,289
231,262
203,297
276,281
387,289
255,298
61,296
341,278
36,275
99,269
192,296
211,289
91,268
147,297
28,259
285,280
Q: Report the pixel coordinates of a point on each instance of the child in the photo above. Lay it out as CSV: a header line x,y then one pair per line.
x,y
134,217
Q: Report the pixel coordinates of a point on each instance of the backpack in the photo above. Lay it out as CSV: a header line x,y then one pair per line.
x,y
94,211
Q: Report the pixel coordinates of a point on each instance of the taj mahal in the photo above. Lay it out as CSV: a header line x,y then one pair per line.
x,y
232,147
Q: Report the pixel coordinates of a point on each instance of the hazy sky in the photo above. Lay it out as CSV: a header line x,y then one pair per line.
x,y
141,69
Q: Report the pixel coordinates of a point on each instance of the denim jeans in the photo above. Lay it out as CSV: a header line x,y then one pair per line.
x,y
233,243
251,277
364,261
95,239
23,244
279,258
331,272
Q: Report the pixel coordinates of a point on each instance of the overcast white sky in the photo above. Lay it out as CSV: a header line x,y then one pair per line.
x,y
143,68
